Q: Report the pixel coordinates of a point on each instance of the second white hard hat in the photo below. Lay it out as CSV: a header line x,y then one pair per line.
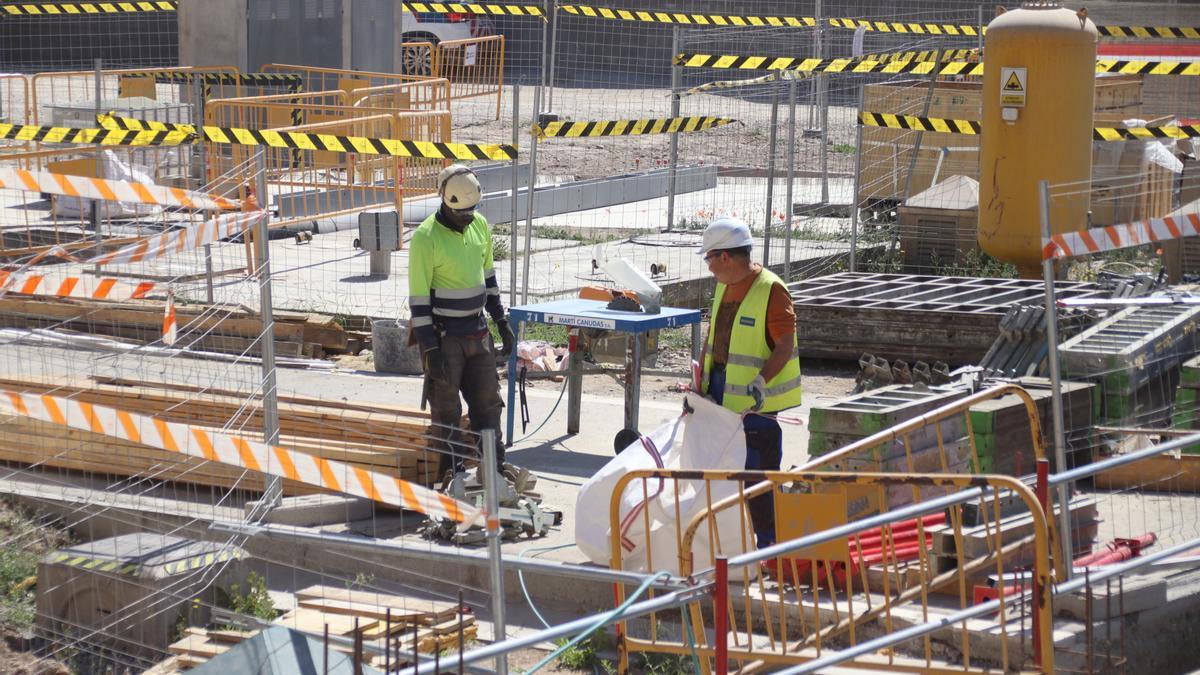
x,y
723,233
458,187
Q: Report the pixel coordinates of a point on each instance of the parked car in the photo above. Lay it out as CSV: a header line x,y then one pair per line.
x,y
434,27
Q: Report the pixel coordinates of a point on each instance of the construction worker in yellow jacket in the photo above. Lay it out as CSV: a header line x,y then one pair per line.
x,y
750,360
451,282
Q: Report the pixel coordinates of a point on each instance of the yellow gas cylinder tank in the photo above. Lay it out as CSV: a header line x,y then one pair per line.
x,y
1038,90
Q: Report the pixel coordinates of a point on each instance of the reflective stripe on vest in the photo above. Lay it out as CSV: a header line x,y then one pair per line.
x,y
748,352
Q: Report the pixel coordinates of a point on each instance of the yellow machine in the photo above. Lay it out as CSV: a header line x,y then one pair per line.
x,y
1038,90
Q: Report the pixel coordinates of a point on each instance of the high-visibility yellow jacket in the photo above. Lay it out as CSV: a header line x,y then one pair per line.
x,y
451,280
749,350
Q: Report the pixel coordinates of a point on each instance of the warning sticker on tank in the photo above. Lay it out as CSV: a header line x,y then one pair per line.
x,y
1012,87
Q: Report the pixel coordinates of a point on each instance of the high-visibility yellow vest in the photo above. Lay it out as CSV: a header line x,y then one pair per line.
x,y
748,352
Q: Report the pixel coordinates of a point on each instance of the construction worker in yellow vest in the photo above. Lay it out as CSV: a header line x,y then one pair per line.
x,y
750,360
451,283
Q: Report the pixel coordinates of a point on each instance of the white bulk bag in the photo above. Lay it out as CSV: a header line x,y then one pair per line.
x,y
711,438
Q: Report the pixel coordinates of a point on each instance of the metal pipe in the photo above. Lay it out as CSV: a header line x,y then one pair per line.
x,y
202,177
1124,568
721,615
531,197
529,565
273,492
771,138
824,100
858,134
94,207
663,602
553,30
979,26
1056,409
491,499
791,182
516,180
673,148
1042,489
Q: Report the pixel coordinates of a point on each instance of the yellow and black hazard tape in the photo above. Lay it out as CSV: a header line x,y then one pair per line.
x,y
807,65
198,562
40,134
760,21
925,55
1146,133
115,122
195,562
782,76
297,140
972,127
687,19
72,8
1160,32
484,8
913,123
665,125
763,21
247,79
1148,67
931,55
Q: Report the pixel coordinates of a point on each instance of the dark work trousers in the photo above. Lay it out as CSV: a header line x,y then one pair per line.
x,y
764,452
471,370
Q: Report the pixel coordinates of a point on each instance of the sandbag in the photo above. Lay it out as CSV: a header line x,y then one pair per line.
x,y
711,438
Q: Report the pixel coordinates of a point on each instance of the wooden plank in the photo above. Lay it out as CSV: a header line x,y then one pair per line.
x,y
323,404
197,644
398,614
313,621
439,608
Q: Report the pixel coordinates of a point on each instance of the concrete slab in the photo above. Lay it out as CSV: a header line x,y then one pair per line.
x,y
313,510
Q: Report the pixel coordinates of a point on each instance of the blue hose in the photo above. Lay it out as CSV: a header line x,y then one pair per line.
x,y
601,622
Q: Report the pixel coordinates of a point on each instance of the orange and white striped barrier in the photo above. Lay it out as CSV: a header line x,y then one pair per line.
x,y
237,451
95,288
1113,237
113,190
170,328
190,238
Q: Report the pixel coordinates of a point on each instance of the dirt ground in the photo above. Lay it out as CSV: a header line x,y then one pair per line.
x,y
17,659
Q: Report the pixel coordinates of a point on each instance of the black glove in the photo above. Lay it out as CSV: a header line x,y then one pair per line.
x,y
506,337
435,364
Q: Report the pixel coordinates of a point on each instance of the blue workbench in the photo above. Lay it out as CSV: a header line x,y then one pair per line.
x,y
592,314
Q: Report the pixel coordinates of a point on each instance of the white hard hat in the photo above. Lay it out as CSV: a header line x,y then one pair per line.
x,y
458,187
723,233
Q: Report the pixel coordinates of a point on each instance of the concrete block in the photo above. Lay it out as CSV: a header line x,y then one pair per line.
x,y
314,510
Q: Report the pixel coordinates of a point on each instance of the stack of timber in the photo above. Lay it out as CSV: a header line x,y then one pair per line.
x,y
911,317
1000,427
1135,356
197,646
215,328
978,534
398,623
382,438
